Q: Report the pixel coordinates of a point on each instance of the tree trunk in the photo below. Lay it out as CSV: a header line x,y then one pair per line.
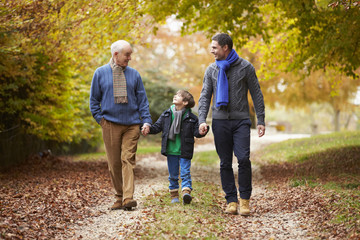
x,y
348,120
337,120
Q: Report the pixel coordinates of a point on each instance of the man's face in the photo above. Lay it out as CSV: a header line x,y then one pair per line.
x,y
123,57
218,51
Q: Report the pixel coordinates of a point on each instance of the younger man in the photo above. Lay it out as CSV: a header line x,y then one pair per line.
x,y
179,126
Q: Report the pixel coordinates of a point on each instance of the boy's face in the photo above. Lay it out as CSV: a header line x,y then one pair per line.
x,y
178,100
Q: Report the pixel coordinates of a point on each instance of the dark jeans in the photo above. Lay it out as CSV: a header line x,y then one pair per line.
x,y
233,136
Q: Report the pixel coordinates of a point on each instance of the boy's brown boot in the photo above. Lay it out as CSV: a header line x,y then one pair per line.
x,y
128,204
118,204
174,193
232,208
244,207
186,195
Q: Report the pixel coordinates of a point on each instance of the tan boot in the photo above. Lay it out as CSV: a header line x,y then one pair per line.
x,y
174,193
118,204
128,204
186,195
244,207
232,208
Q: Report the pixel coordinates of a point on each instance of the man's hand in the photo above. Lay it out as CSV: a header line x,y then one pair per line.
x,y
203,128
145,130
261,130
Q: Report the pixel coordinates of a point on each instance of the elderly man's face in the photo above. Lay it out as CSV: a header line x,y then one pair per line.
x,y
218,51
123,57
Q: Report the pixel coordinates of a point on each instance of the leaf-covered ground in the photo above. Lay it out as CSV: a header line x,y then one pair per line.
x,y
339,168
46,197
40,198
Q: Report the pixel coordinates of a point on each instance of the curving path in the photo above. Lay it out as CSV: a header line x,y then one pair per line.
x,y
263,223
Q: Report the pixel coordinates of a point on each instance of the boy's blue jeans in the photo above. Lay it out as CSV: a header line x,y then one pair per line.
x,y
174,163
233,136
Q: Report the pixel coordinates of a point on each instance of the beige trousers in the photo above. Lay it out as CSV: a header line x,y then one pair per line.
x,y
121,145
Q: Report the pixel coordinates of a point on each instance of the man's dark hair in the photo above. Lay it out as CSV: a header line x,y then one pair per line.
x,y
223,39
187,97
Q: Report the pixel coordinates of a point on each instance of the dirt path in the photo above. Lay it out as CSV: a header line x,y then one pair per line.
x,y
153,171
116,224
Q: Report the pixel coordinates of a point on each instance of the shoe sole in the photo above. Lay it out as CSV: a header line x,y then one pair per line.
x,y
130,205
187,199
117,208
232,213
175,201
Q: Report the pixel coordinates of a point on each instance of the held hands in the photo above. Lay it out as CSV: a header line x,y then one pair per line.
x,y
261,130
203,128
145,130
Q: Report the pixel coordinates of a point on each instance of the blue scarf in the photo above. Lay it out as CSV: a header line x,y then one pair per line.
x,y
222,87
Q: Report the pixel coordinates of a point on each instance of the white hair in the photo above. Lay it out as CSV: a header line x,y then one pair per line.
x,y
118,46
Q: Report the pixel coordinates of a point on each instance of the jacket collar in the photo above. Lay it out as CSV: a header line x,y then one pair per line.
x,y
187,113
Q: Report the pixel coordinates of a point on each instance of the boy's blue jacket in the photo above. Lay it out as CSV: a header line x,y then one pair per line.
x,y
189,130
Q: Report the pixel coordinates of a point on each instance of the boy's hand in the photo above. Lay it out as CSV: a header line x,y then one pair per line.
x,y
203,128
145,130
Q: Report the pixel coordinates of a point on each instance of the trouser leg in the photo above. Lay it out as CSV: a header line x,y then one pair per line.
x,y
224,148
128,158
112,137
241,138
185,165
173,168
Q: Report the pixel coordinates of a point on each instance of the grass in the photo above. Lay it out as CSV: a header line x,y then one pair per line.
x,y
147,145
202,219
206,158
330,163
152,144
88,157
299,150
143,150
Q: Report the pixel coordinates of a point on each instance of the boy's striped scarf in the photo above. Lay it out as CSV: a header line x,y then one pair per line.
x,y
119,83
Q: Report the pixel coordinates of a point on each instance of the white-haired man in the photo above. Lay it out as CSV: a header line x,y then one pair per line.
x,y
118,102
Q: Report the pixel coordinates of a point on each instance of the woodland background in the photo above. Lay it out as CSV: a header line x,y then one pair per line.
x,y
306,53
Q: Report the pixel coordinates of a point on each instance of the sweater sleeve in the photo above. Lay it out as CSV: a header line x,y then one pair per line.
x,y
256,95
205,97
95,98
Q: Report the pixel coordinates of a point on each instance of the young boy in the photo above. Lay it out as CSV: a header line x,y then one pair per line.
x,y
179,126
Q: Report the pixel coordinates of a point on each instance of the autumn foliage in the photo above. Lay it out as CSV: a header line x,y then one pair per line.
x,y
46,194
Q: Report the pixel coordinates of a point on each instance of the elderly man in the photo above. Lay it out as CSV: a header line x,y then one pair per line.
x,y
229,79
119,104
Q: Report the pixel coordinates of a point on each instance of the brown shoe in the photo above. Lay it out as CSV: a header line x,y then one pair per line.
x,y
128,204
186,195
117,205
232,208
244,207
174,194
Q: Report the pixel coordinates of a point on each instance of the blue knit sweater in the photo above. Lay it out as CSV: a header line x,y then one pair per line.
x,y
102,104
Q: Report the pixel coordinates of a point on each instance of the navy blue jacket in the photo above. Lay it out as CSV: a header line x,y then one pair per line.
x,y
189,130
